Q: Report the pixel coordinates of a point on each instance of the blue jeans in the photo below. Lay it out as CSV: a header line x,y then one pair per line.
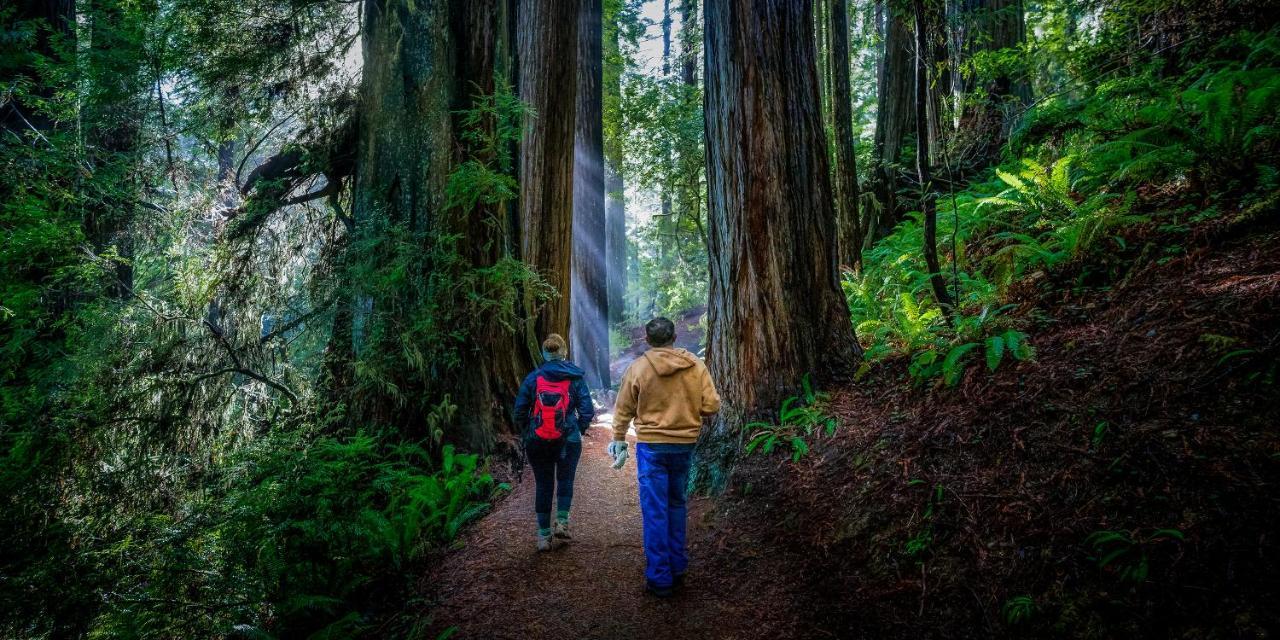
x,y
664,476
553,470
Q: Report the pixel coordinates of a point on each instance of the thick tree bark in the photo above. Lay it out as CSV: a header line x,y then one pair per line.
x,y
589,338
776,311
491,371
849,226
424,63
928,203
548,80
894,115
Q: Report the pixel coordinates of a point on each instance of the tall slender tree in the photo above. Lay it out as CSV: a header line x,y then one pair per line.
x,y
547,34
615,196
849,227
928,202
895,118
589,337
776,309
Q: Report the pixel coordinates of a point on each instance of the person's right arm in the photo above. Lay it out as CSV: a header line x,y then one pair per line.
x,y
624,408
710,399
524,399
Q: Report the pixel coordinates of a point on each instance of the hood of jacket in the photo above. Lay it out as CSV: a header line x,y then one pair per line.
x,y
557,370
669,360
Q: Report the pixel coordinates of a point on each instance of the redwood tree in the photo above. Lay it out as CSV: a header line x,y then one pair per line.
x,y
895,117
547,33
849,227
589,338
928,203
776,309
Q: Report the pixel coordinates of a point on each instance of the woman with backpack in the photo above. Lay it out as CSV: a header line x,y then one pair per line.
x,y
553,410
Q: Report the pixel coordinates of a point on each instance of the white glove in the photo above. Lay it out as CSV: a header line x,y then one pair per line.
x,y
618,449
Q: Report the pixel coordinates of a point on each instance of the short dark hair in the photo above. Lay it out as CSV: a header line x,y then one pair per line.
x,y
660,332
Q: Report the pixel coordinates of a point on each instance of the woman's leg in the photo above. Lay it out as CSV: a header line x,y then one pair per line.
x,y
566,469
543,462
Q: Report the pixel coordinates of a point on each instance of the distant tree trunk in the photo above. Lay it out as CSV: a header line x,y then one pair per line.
x,y
776,311
928,204
666,220
589,338
939,78
616,244
692,164
615,194
894,114
849,227
548,81
989,25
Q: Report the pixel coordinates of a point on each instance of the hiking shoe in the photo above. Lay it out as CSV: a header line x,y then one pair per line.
x,y
545,542
562,530
659,592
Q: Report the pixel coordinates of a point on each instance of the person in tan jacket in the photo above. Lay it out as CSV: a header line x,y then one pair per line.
x,y
666,392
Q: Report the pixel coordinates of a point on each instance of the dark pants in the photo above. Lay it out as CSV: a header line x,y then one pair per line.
x,y
553,469
664,477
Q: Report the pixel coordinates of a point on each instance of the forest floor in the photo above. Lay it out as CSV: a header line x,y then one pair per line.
x,y
1149,407
497,586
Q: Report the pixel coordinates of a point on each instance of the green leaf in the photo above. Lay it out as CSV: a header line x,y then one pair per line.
x,y
953,366
995,352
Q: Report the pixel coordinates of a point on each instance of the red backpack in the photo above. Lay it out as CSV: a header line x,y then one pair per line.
x,y
551,401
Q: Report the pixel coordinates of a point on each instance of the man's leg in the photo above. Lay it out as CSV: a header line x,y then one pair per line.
x,y
677,508
653,506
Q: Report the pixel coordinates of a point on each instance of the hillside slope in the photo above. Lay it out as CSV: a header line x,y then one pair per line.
x,y
1119,484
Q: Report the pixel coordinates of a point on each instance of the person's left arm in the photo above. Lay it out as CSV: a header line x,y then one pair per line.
x,y
586,408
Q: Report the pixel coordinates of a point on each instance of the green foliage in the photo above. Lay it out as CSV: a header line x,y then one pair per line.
x,y
918,545
798,417
1127,555
1018,609
1066,198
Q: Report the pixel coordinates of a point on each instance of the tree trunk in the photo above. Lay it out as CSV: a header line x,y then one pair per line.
x,y
928,203
615,194
849,227
589,339
425,62
491,371
989,25
776,311
548,80
666,219
894,114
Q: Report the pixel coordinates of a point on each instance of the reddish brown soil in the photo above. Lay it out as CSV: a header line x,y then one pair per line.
x,y
497,586
1007,477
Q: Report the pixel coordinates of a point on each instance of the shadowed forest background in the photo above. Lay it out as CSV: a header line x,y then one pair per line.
x,y
990,289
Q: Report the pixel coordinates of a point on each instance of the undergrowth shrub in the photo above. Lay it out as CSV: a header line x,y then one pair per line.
x,y
799,417
1066,195
308,540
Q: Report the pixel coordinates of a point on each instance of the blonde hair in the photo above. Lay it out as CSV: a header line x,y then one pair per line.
x,y
554,345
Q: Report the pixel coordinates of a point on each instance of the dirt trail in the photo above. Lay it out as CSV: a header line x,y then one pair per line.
x,y
497,586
